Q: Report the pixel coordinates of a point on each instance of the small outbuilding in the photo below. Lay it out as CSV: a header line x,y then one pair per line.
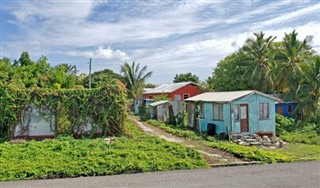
x,y
160,110
175,91
285,107
232,112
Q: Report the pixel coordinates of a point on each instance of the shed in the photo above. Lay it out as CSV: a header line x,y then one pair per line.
x,y
232,112
175,91
160,110
285,106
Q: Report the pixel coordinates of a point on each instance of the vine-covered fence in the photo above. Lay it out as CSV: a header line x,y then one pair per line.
x,y
75,112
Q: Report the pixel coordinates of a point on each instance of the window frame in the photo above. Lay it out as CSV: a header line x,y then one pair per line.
x,y
185,94
234,112
264,111
201,111
218,116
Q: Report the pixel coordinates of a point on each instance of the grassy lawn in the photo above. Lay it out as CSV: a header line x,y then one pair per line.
x,y
291,152
300,152
68,157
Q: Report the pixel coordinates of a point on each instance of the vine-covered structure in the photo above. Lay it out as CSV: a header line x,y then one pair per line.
x,y
78,112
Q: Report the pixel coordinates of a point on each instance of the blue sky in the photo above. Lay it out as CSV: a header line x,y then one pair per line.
x,y
170,37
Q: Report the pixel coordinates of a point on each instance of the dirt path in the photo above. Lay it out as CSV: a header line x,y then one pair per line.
x,y
212,155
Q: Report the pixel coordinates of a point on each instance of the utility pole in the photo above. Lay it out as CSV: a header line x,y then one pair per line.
x,y
90,74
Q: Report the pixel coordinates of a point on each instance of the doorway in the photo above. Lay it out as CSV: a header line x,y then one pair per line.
x,y
244,123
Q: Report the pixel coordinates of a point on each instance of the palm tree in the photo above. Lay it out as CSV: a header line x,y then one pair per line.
x,y
308,92
67,68
258,51
292,53
135,78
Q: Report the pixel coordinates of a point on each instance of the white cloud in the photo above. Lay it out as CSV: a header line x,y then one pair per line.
x,y
189,36
287,17
101,53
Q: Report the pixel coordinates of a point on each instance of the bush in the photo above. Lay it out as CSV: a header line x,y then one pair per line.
x,y
297,132
68,157
172,118
104,108
284,125
304,138
142,110
250,153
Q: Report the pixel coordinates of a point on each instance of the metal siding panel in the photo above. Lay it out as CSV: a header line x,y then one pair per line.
x,y
256,125
208,118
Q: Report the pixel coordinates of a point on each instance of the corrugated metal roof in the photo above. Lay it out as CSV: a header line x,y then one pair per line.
x,y
158,103
225,96
168,88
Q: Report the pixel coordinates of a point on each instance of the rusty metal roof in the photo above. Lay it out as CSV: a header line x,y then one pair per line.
x,y
226,96
168,88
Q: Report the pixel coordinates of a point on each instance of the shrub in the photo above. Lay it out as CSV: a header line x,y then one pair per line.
x,y
172,118
284,124
68,157
250,153
104,108
142,110
304,138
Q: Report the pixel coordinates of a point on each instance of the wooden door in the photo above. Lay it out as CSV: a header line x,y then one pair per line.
x,y
280,111
244,123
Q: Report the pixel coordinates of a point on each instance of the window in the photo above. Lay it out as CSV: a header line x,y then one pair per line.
x,y
201,111
217,111
185,96
263,111
236,111
150,97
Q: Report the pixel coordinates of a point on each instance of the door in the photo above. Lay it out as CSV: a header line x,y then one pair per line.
x,y
280,110
244,123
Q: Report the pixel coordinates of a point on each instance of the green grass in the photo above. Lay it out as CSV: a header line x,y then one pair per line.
x,y
291,152
178,131
68,157
251,153
301,152
305,138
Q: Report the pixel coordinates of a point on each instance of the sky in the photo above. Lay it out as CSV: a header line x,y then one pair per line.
x,y
169,36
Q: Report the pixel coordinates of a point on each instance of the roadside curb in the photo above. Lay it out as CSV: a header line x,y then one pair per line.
x,y
237,164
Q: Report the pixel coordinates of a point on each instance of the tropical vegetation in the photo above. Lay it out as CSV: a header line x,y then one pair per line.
x,y
69,157
289,67
135,78
187,77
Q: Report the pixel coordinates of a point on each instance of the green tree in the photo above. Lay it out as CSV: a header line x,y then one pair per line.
x,y
135,78
308,92
291,55
63,74
67,68
24,60
187,77
5,70
101,77
232,73
259,52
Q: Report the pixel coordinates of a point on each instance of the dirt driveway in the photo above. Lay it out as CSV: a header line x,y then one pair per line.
x,y
213,156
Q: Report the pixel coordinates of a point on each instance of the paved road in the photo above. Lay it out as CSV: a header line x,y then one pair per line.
x,y
306,174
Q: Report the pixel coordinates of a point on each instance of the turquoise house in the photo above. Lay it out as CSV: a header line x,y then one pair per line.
x,y
232,112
